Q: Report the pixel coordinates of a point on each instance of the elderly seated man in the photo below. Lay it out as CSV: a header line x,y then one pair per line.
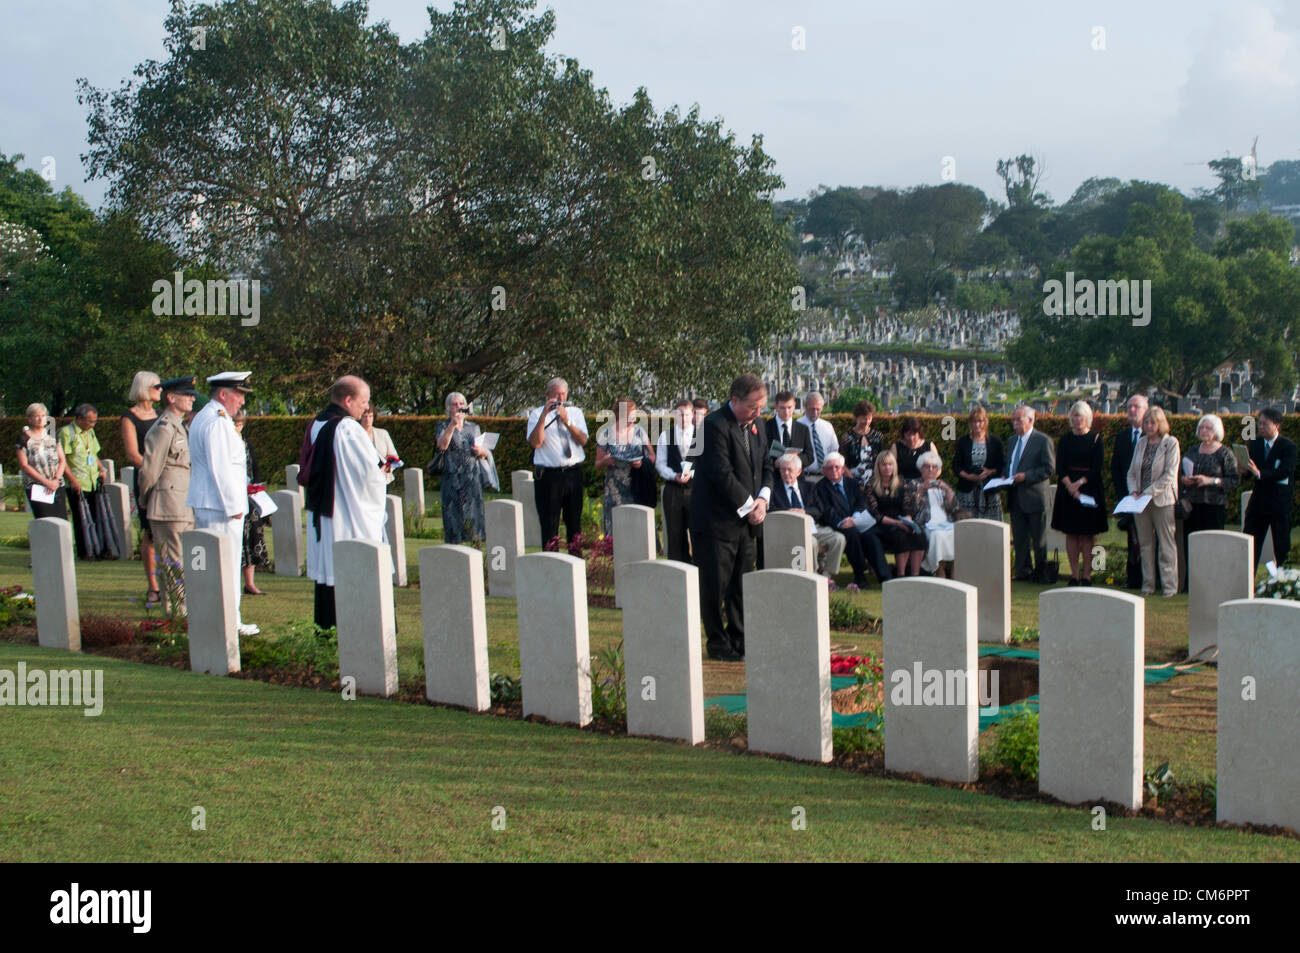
x,y
839,503
793,494
937,510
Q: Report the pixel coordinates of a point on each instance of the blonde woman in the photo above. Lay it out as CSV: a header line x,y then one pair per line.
x,y
1154,471
41,460
894,508
146,387
1079,463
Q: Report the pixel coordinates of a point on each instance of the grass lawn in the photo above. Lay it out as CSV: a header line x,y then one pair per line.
x,y
283,768
293,774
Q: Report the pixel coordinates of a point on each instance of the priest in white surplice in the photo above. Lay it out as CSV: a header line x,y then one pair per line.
x,y
345,487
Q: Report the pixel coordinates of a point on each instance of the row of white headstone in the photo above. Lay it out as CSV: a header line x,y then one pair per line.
x,y
1091,663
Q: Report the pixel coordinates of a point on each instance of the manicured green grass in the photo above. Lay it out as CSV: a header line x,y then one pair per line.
x,y
291,774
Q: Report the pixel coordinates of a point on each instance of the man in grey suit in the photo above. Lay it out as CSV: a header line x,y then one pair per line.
x,y
1030,463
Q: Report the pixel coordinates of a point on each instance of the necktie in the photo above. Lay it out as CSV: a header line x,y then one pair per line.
x,y
565,446
1135,436
795,502
1015,457
1268,448
843,495
818,452
785,435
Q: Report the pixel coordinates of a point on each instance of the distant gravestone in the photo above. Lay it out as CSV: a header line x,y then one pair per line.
x,y
788,541
1054,537
118,496
1221,567
661,650
633,529
554,646
128,479
413,481
367,632
1090,704
396,530
504,524
787,663
982,558
210,599
286,532
524,492
291,482
454,615
1258,772
112,470
931,690
54,584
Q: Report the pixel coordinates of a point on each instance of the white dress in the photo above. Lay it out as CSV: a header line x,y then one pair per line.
x,y
940,534
358,499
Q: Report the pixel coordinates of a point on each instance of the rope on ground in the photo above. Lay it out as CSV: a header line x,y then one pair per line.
x,y
1192,661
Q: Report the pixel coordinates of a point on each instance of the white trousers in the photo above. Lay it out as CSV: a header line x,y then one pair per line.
x,y
218,522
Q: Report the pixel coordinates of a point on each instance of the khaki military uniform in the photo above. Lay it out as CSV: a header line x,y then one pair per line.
x,y
164,482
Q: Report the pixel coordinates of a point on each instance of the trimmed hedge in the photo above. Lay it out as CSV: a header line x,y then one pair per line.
x,y
276,440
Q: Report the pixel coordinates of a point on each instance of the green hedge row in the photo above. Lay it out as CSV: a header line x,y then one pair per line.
x,y
276,440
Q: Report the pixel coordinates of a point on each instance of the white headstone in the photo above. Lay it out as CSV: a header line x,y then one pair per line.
x,y
210,601
54,584
128,478
929,638
396,530
788,663
118,496
554,649
1090,704
504,525
633,528
983,559
788,541
1258,769
363,592
453,611
286,532
523,491
1055,539
661,650
413,480
1266,554
291,481
1222,568
112,470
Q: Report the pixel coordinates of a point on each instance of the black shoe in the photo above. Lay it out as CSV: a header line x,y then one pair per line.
x,y
1074,582
1022,577
1086,582
724,654
861,581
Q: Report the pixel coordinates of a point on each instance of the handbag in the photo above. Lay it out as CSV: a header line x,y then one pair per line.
x,y
434,467
1183,510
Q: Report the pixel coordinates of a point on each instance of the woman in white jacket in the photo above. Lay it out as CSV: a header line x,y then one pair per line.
x,y
1154,471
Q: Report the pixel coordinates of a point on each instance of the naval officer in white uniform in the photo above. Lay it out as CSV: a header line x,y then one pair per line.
x,y
218,478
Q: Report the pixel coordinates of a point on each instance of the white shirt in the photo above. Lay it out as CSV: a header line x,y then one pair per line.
x,y
551,452
823,431
685,437
359,487
218,478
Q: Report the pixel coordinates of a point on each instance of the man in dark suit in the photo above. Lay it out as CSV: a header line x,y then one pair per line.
x,y
835,499
1030,462
1120,458
1272,464
784,430
728,504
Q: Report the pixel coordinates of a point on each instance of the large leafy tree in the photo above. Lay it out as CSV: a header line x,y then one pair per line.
x,y
1239,301
461,212
75,301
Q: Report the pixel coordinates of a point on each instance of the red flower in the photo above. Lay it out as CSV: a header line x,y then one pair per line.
x,y
753,428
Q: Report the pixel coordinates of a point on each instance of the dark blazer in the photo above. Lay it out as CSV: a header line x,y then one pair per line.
x,y
961,459
727,473
831,507
800,440
1120,458
781,498
1037,462
1271,494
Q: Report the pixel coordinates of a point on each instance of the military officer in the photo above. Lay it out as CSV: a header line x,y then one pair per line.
x,y
164,479
218,478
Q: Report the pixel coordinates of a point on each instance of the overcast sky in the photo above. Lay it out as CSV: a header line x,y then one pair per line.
x,y
881,94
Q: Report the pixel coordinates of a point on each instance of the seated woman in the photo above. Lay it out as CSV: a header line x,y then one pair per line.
x,y
891,505
935,504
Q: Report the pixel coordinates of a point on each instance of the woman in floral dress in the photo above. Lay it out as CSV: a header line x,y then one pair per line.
x,y
622,447
462,478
